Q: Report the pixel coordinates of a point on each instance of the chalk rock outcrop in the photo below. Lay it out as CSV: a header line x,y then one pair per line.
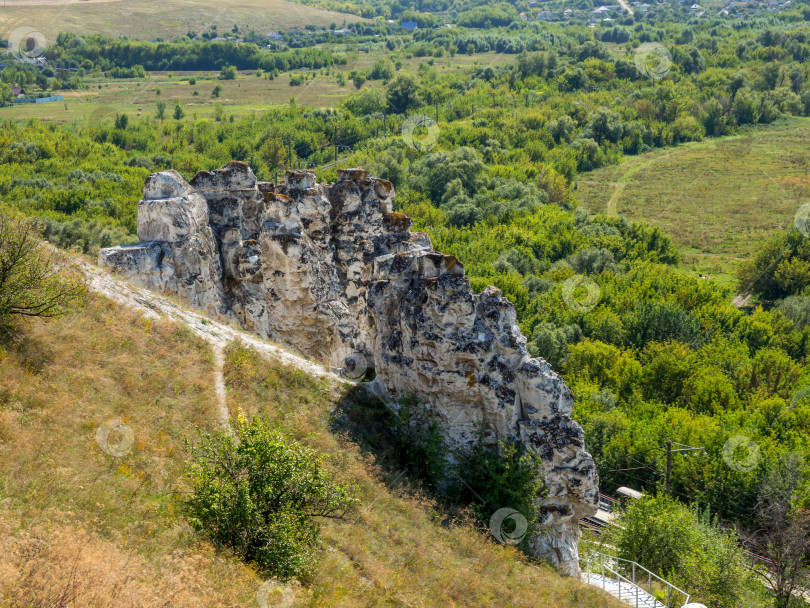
x,y
332,272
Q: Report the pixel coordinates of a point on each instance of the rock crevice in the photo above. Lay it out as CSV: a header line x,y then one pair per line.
x,y
333,273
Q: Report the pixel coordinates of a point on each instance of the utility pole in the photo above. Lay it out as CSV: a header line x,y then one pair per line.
x,y
336,147
668,448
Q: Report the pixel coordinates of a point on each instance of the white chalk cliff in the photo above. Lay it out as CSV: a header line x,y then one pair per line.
x,y
331,272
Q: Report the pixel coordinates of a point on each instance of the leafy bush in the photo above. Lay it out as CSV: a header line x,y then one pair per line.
x,y
81,177
493,477
551,342
687,548
259,493
797,309
84,237
659,322
228,72
139,161
418,440
33,282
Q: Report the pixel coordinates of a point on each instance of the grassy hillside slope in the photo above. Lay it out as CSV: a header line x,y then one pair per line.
x,y
100,530
718,199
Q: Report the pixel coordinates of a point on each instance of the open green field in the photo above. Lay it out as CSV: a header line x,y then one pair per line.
x,y
165,18
718,199
104,98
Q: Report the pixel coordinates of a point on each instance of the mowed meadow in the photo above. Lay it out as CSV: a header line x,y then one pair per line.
x,y
718,199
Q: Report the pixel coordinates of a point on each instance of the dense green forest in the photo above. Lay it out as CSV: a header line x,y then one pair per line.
x,y
651,353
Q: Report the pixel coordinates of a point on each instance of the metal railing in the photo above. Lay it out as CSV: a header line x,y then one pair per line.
x,y
608,504
757,560
635,577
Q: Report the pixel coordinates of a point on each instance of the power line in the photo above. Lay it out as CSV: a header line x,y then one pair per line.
x,y
706,502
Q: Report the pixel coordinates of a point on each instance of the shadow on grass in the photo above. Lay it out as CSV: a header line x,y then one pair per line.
x,y
407,444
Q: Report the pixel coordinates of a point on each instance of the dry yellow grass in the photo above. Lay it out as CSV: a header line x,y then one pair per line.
x,y
82,528
76,519
399,548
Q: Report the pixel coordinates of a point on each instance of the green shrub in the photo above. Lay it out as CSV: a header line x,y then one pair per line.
x,y
139,161
689,549
493,477
228,72
412,438
419,442
86,237
34,281
659,322
259,493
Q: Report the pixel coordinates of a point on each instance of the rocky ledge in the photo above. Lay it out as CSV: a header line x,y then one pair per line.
x,y
331,272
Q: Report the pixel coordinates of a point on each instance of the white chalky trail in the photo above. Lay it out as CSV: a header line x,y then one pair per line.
x,y
218,335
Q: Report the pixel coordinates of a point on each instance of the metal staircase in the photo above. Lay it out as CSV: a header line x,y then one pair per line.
x,y
630,582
